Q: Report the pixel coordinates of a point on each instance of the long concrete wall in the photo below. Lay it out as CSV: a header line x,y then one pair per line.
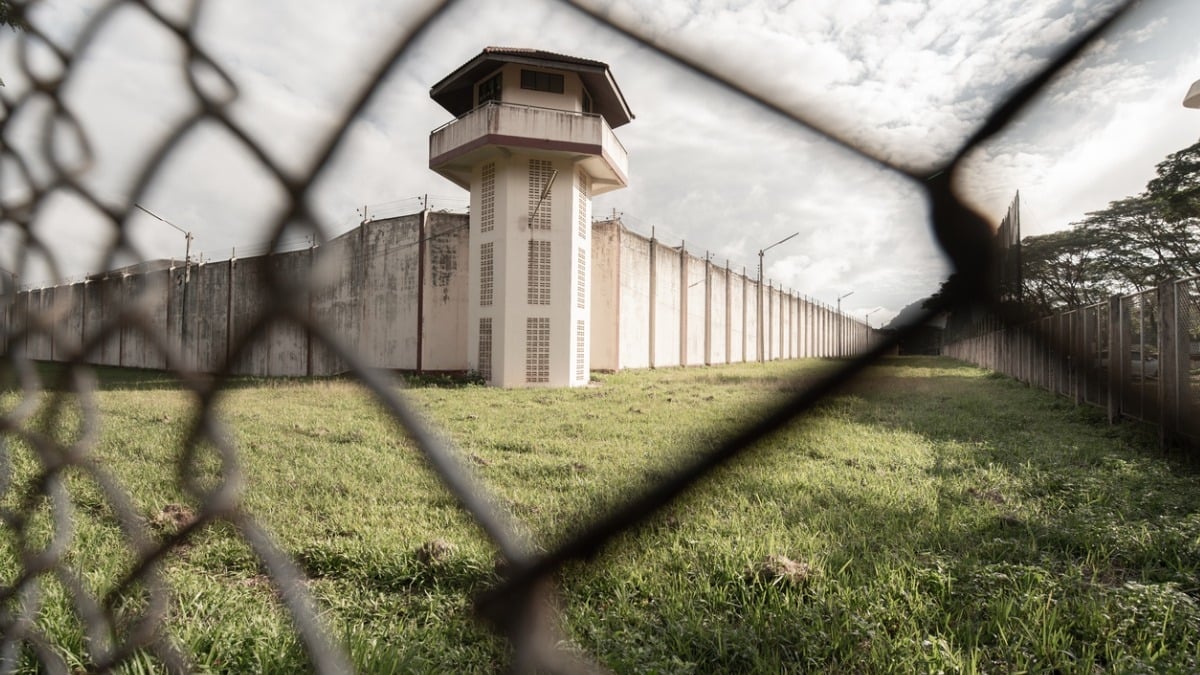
x,y
394,294
676,309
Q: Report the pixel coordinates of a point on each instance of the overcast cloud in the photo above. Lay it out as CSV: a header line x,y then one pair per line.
x,y
907,80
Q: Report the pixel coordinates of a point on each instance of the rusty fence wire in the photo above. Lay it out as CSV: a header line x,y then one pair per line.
x,y
515,605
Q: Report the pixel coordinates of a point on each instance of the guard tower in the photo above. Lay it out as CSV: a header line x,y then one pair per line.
x,y
533,142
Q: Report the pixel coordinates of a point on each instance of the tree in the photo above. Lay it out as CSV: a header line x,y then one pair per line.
x,y
1133,245
1063,269
1140,246
11,16
1176,187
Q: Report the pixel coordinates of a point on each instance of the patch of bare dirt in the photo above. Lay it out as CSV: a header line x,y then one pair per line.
x,y
778,569
435,551
173,518
990,496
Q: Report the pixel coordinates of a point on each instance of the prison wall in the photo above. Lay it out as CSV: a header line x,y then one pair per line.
x,y
678,309
636,301
697,314
446,293
718,327
605,310
394,293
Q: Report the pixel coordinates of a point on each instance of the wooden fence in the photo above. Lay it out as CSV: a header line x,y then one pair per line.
x,y
1136,356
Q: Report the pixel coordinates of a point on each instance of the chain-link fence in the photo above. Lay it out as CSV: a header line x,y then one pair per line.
x,y
515,606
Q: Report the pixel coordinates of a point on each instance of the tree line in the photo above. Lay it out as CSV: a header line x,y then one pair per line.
x,y
1133,245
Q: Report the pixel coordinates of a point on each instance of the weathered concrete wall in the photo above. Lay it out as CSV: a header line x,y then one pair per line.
x,y
37,340
338,272
447,287
696,291
737,316
667,305
199,313
68,333
395,294
774,323
719,323
287,337
753,300
110,300
279,347
635,301
250,353
606,296
385,290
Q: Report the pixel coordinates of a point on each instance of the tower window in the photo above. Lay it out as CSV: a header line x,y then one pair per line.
x,y
487,273
485,348
539,81
581,280
539,272
583,201
580,350
488,90
541,172
487,198
537,349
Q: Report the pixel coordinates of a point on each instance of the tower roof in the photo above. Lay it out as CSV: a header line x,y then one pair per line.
x,y
455,92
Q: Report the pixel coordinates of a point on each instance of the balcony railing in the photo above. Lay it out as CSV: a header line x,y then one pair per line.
x,y
528,122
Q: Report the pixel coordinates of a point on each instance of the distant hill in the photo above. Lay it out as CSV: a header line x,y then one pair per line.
x,y
910,314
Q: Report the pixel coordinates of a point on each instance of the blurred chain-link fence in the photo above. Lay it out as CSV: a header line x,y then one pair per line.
x,y
1135,356
515,606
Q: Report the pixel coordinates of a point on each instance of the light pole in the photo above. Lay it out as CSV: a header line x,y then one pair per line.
x,y
187,273
760,296
839,300
840,350
868,317
187,236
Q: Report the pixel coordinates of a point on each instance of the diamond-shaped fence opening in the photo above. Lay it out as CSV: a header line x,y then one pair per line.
x,y
49,429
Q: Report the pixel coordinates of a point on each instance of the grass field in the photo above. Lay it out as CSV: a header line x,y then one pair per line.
x,y
933,518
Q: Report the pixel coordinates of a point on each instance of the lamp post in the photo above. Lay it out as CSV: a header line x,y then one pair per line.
x,y
839,300
868,316
187,236
187,272
840,351
760,296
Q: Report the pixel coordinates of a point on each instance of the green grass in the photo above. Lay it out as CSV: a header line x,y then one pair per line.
x,y
938,518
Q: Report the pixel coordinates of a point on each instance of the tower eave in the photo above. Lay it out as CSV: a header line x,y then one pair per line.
x,y
455,92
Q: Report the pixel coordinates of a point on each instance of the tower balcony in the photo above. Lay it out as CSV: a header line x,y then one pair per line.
x,y
455,147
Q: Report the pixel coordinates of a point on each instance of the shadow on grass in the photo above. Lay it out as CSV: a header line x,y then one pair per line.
x,y
53,377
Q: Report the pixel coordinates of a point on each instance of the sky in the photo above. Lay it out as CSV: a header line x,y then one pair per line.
x,y
907,81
